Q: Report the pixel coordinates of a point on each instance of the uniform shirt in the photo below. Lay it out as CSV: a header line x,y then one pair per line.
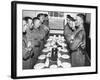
x,y
78,40
44,28
34,36
77,55
24,44
26,63
67,32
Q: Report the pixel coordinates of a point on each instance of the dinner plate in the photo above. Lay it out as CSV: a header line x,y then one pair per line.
x,y
46,50
42,57
47,45
66,65
65,56
63,44
50,39
39,66
53,66
64,50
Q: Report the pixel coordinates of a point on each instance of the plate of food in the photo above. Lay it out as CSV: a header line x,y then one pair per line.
x,y
42,57
46,50
47,45
53,66
63,44
39,66
66,65
65,56
50,39
64,50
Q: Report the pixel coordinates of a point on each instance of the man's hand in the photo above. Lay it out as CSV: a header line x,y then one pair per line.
x,y
82,45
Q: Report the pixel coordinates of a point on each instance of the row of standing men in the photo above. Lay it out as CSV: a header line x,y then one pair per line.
x,y
35,32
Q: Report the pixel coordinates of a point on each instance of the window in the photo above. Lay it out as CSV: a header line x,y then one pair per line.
x,y
56,14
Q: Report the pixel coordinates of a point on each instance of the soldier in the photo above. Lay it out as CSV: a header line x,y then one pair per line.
x,y
46,20
27,23
44,27
78,44
34,40
69,28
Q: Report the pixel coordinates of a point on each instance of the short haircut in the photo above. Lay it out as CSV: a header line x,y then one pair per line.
x,y
82,16
71,18
27,18
34,19
46,15
40,14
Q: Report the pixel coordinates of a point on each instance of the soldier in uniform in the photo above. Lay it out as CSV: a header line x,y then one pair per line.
x,y
44,29
76,43
34,40
68,31
27,23
46,20
43,26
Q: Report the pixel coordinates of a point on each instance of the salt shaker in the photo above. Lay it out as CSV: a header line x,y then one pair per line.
x,y
58,62
47,62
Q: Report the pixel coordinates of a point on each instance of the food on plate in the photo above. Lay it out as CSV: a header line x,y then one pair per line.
x,y
39,66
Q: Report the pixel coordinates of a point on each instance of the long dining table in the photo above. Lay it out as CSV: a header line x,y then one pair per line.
x,y
61,58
